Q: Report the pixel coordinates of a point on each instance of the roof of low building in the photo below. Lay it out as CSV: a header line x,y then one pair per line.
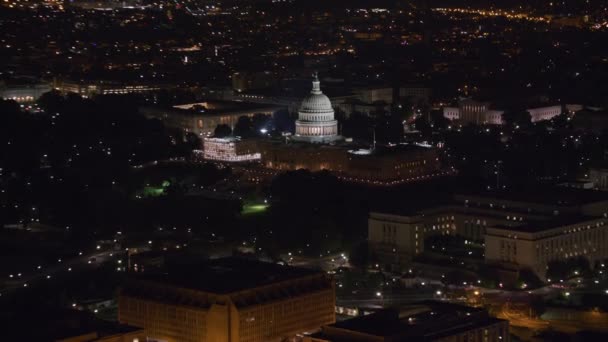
x,y
51,324
422,321
228,275
542,225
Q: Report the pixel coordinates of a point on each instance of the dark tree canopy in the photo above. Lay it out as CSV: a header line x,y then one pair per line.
x,y
517,117
222,131
565,269
73,161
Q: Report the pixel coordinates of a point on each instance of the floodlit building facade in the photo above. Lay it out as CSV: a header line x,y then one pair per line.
x,y
316,122
471,111
230,149
544,113
390,166
229,300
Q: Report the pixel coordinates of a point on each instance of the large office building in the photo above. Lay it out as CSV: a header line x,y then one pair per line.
x,y
203,117
90,88
425,321
519,229
381,166
228,300
534,245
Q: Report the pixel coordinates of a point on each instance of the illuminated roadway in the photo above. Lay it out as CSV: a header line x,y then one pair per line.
x,y
68,265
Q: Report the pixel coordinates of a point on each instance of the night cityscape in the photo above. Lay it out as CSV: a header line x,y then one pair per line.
x,y
304,170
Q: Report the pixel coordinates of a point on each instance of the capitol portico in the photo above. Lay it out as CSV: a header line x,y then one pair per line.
x,y
316,122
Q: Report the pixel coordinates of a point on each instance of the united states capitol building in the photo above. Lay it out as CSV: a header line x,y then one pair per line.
x,y
316,122
317,145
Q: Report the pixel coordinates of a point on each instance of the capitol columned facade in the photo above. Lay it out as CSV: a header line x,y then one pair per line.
x,y
316,122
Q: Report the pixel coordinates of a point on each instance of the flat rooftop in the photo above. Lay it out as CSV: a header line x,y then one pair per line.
x,y
353,148
422,321
559,196
299,88
228,275
213,107
50,325
542,225
220,105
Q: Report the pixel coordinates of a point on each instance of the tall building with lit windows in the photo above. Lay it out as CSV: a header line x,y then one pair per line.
x,y
228,300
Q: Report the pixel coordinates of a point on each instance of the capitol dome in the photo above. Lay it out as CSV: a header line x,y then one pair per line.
x,y
316,121
316,102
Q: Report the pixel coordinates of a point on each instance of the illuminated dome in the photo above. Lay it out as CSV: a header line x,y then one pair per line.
x,y
316,102
316,121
